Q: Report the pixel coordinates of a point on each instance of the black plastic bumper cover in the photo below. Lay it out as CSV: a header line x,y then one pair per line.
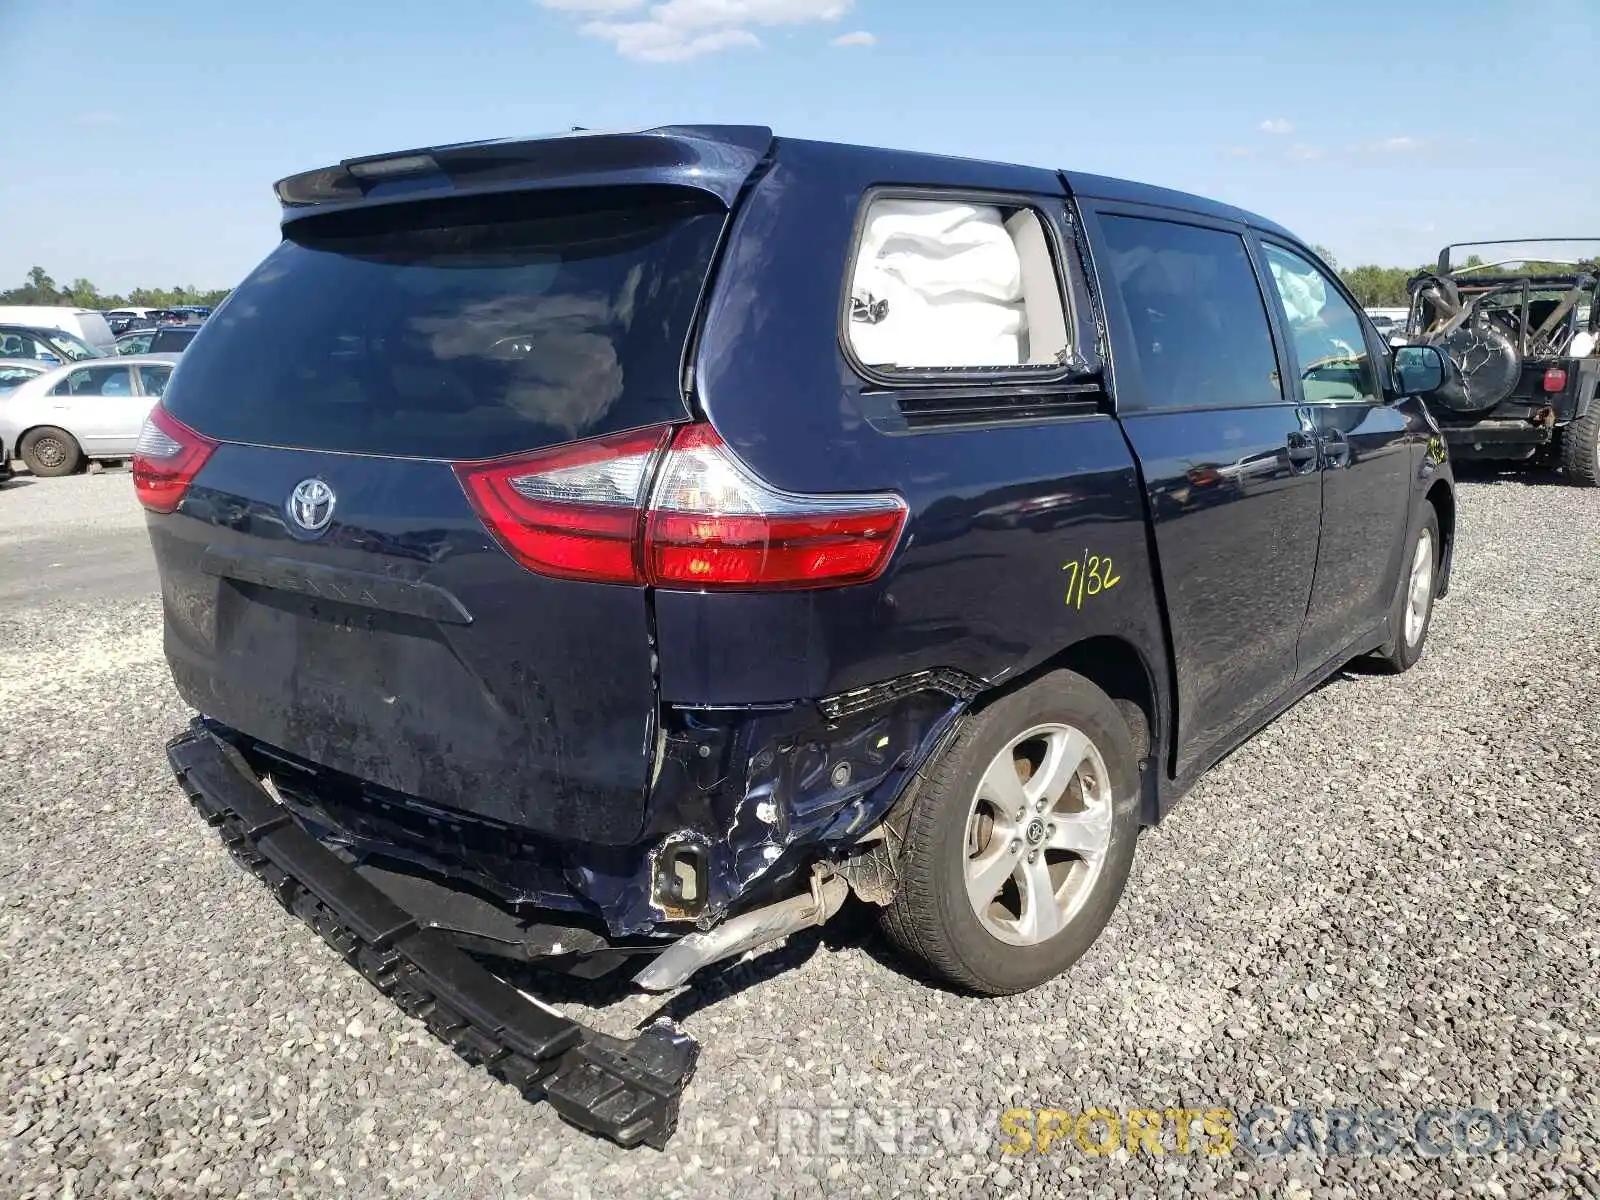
x,y
627,1091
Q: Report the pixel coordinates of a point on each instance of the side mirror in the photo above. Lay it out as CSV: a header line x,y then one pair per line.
x,y
1419,370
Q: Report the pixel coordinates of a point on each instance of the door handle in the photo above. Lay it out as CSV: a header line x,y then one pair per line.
x,y
1335,449
1302,453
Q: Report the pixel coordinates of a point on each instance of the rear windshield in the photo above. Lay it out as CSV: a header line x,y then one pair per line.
x,y
458,329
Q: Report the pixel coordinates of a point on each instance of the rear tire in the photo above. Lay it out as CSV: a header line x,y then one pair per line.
x,y
1419,585
1035,805
1580,449
50,452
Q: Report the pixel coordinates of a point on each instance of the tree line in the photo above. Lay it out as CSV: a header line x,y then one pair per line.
x,y
80,293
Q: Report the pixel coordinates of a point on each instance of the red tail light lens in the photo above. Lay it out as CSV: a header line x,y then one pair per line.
x,y
166,458
580,512
574,512
714,525
1555,380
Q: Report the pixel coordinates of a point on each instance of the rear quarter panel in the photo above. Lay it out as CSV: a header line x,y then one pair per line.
x,y
1002,518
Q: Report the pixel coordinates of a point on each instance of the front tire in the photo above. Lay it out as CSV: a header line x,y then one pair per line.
x,y
1419,586
1580,449
51,452
1020,839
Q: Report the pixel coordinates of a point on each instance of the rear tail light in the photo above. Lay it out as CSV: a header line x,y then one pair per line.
x,y
713,524
580,512
166,459
575,512
1555,380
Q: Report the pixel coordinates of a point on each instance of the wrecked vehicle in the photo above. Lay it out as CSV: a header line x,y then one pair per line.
x,y
1525,337
618,549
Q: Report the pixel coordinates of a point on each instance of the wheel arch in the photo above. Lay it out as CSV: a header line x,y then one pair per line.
x,y
1118,668
1443,499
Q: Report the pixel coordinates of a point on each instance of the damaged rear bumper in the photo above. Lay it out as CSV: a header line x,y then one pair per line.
x,y
627,1091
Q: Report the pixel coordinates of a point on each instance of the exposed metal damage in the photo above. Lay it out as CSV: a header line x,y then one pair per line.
x,y
765,811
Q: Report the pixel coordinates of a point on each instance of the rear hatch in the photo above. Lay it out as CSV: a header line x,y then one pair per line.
x,y
331,590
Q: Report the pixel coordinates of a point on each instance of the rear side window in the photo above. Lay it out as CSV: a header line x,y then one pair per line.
x,y
1196,311
96,381
459,329
950,284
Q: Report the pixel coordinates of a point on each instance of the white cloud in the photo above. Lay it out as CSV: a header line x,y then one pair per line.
x,y
651,41
1277,126
676,30
704,13
859,38
594,8
1239,152
1401,145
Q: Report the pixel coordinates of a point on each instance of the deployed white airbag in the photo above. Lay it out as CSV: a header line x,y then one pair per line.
x,y
1304,294
937,285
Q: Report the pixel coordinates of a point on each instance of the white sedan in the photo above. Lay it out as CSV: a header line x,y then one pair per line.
x,y
85,410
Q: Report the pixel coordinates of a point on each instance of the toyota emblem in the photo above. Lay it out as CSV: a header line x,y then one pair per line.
x,y
311,505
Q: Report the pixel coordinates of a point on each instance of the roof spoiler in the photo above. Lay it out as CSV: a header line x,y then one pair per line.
x,y
711,158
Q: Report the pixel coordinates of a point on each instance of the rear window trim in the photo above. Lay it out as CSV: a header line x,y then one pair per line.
x,y
1081,368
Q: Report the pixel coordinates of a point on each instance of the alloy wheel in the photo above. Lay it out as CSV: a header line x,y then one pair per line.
x,y
1419,592
1038,830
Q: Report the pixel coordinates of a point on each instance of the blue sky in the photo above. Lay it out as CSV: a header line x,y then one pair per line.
x,y
154,131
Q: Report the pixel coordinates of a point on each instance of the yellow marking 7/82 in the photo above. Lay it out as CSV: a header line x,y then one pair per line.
x,y
1090,575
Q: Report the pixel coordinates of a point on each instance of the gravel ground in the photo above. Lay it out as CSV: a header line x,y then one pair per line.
x,y
1382,901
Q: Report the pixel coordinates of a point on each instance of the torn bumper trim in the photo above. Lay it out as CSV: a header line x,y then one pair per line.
x,y
627,1091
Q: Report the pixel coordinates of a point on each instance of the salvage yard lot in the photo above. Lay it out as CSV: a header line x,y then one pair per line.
x,y
1385,900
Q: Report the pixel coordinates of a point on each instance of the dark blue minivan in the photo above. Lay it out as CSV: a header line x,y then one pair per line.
x,y
626,547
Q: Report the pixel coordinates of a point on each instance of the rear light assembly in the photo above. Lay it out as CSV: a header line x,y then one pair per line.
x,y
673,507
574,512
712,523
166,458
1555,380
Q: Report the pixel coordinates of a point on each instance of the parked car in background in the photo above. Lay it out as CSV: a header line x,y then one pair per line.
x,y
1392,328
193,312
83,323
167,339
49,346
121,320
842,537
16,371
13,373
84,410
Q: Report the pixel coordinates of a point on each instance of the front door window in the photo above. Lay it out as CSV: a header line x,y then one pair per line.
x,y
1335,365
